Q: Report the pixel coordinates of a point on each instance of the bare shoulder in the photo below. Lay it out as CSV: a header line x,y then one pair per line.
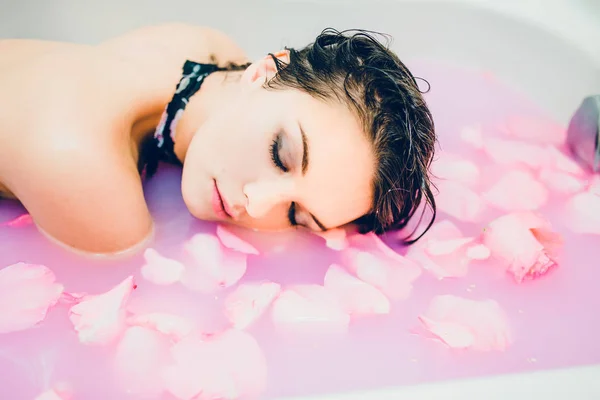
x,y
58,128
81,194
19,51
182,40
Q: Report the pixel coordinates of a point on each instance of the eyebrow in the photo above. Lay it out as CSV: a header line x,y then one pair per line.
x,y
305,150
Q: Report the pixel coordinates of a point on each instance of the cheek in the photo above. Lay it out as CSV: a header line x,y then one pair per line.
x,y
239,147
195,179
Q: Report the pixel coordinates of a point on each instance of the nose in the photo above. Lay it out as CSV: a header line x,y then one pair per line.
x,y
263,195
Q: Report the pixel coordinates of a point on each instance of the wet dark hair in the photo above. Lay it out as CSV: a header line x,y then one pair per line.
x,y
354,68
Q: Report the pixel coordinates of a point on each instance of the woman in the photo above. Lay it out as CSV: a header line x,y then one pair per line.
x,y
335,133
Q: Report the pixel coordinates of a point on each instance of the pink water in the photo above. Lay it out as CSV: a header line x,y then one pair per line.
x,y
553,319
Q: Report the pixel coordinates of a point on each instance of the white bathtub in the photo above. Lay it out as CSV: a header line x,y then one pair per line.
x,y
550,50
559,38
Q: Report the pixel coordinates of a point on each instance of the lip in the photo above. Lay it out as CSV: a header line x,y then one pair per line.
x,y
218,203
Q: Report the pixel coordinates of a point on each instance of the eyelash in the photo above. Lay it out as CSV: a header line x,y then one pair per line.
x,y
275,154
292,214
274,150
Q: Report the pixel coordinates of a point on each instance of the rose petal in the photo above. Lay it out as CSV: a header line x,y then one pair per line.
x,y
175,326
444,247
459,201
561,182
373,244
139,358
20,221
226,366
464,323
98,319
478,252
372,261
233,242
216,266
525,244
582,213
335,238
454,335
443,251
512,152
310,307
594,186
455,168
355,296
71,298
444,230
249,301
536,129
161,270
560,162
517,191
27,291
472,135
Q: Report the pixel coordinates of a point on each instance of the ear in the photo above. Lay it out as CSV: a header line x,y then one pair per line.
x,y
265,69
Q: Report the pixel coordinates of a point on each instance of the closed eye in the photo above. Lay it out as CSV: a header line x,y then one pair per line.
x,y
275,157
292,214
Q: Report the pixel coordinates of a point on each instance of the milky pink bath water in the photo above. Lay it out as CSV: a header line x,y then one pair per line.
x,y
550,321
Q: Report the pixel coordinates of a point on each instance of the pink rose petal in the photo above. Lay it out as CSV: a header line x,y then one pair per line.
x,y
582,213
472,135
517,191
139,358
512,152
215,267
355,296
372,261
459,201
20,221
437,247
524,243
309,307
463,323
536,129
71,298
560,162
335,238
98,319
444,230
27,291
226,366
249,301
161,270
478,252
454,168
561,181
175,326
594,186
443,251
233,242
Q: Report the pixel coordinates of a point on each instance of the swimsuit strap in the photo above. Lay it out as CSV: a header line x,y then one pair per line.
x,y
161,145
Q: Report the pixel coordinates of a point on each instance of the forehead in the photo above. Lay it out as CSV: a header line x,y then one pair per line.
x,y
337,187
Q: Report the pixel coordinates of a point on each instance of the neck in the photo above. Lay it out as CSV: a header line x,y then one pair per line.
x,y
216,90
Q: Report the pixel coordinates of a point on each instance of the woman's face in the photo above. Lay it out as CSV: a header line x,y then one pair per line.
x,y
278,158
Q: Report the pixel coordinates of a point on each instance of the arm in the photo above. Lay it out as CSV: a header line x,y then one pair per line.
x,y
83,199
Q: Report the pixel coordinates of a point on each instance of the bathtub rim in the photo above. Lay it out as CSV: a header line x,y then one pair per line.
x,y
581,383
